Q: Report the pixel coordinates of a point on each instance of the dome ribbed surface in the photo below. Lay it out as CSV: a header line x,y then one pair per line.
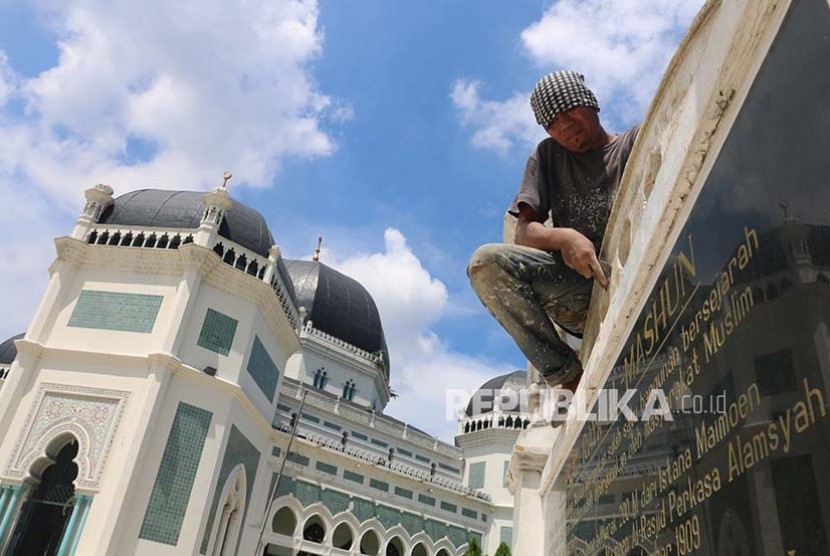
x,y
516,381
8,351
183,209
339,306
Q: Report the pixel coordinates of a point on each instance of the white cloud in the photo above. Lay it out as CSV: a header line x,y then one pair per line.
x,y
7,79
152,94
621,46
200,87
410,302
498,124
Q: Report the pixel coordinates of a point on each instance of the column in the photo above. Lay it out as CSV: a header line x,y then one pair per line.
x,y
86,501
16,491
4,495
69,532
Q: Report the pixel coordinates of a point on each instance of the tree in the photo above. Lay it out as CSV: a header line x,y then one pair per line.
x,y
473,549
503,550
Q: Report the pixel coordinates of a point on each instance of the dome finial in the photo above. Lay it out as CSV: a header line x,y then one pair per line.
x,y
225,177
316,257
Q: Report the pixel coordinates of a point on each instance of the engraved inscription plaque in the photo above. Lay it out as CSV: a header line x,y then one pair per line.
x,y
735,336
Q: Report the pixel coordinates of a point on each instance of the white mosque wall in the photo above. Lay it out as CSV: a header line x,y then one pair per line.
x,y
123,391
305,364
60,335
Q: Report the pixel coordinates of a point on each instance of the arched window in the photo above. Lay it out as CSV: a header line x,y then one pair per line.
x,y
395,547
342,537
314,530
229,522
348,390
44,515
284,522
321,377
370,543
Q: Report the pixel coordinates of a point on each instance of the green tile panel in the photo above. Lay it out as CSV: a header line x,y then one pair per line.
x,y
421,458
363,509
428,500
413,523
217,332
446,506
403,492
436,529
276,451
287,486
335,501
306,493
283,407
477,536
263,370
405,452
326,468
389,517
449,468
472,514
124,312
312,418
298,459
352,476
239,450
333,426
504,475
380,485
458,535
171,491
380,443
476,478
360,435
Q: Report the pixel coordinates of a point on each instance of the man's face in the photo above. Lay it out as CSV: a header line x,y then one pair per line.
x,y
576,129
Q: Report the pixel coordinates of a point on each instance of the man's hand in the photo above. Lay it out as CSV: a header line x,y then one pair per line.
x,y
577,250
578,253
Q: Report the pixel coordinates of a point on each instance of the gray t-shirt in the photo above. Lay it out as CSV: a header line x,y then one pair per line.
x,y
576,190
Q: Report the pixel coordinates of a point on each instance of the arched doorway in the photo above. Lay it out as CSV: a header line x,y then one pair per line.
x,y
44,515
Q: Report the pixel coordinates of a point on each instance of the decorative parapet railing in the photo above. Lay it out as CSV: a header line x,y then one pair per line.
x,y
397,467
509,421
308,330
255,265
368,418
287,303
241,258
4,372
125,236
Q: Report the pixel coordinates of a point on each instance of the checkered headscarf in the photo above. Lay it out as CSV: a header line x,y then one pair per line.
x,y
557,92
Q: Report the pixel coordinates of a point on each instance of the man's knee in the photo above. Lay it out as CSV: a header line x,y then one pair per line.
x,y
485,257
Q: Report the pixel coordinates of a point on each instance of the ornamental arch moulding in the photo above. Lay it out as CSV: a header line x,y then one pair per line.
x,y
91,415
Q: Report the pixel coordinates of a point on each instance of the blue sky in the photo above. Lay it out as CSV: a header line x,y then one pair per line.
x,y
396,130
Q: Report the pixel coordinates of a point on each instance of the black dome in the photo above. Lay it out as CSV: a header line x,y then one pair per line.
x,y
183,209
339,305
516,381
8,351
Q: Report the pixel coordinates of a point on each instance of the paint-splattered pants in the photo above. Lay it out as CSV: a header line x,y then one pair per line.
x,y
526,289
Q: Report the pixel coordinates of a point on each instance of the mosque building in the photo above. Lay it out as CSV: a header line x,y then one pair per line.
x,y
183,389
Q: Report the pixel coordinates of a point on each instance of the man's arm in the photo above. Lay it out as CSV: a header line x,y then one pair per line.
x,y
577,250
